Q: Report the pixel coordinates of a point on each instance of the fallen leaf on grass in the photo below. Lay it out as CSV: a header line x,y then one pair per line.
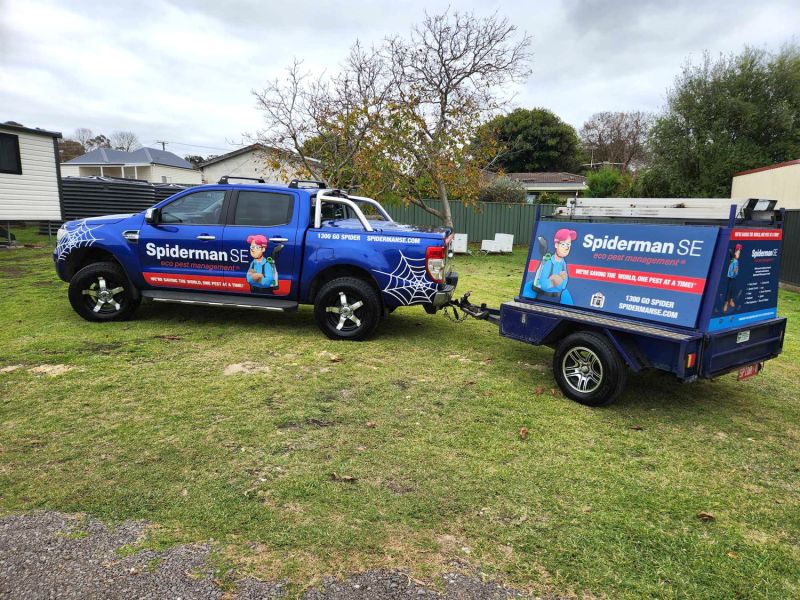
x,y
184,492
334,358
523,433
487,360
371,424
637,427
343,478
539,390
706,517
732,555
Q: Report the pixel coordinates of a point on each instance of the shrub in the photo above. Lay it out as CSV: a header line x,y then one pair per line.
x,y
503,189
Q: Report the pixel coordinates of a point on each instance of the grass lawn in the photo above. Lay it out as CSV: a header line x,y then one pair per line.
x,y
146,424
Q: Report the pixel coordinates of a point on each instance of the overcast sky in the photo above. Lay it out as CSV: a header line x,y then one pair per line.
x,y
183,71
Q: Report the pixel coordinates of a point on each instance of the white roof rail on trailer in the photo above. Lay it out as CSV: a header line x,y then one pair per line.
x,y
653,208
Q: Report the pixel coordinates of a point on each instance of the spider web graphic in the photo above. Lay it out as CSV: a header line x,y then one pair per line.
x,y
408,283
77,237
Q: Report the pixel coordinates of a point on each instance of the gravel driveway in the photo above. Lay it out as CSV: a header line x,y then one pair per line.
x,y
53,555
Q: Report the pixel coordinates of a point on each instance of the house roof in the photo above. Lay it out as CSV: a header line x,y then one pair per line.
x,y
152,156
14,126
250,148
768,167
547,177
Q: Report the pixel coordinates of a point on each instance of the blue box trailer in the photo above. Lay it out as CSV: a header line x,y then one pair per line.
x,y
696,298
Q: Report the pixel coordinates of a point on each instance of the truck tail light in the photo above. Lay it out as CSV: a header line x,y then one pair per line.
x,y
691,360
435,263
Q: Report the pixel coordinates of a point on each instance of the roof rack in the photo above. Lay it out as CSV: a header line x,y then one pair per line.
x,y
296,183
224,179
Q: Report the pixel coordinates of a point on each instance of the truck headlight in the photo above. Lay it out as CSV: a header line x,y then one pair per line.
x,y
62,231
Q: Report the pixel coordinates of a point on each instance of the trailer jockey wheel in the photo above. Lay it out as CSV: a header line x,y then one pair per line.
x,y
588,369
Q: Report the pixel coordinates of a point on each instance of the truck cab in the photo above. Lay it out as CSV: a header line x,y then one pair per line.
x,y
260,246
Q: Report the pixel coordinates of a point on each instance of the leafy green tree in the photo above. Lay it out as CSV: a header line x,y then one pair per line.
x,y
503,189
603,183
535,140
723,116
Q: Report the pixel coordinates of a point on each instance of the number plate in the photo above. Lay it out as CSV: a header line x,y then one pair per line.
x,y
749,371
743,336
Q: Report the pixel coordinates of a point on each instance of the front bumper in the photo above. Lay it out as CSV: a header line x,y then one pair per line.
x,y
446,290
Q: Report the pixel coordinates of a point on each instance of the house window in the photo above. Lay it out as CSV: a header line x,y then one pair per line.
x,y
9,154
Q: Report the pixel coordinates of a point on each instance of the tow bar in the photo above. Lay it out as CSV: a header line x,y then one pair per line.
x,y
481,313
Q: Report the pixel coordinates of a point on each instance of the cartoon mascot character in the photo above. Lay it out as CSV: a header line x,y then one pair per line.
x,y
551,278
262,274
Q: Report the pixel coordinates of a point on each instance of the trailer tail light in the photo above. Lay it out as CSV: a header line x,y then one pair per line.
x,y
435,263
691,360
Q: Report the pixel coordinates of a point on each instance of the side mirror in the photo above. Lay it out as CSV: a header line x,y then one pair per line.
x,y
151,216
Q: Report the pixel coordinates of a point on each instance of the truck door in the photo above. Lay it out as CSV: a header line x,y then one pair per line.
x,y
262,239
184,249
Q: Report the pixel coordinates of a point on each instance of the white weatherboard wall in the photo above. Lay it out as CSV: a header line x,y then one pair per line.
x,y
165,174
250,164
781,183
34,194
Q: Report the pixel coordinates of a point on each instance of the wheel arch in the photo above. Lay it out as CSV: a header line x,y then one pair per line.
x,y
342,270
82,257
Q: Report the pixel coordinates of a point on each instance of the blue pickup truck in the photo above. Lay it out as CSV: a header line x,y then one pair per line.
x,y
262,246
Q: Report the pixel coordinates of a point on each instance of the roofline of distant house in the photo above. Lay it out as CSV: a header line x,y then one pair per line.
x,y
23,129
554,186
769,167
125,164
247,149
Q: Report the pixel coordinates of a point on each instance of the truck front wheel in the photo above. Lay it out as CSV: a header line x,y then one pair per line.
x,y
347,309
102,292
588,369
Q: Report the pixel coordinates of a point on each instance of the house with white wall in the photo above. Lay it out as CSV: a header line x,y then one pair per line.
x,y
779,182
30,182
255,160
148,164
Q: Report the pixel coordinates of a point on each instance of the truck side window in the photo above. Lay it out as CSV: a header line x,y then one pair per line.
x,y
263,209
199,208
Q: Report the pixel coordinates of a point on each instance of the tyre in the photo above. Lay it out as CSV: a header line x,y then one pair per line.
x,y
347,309
588,369
102,292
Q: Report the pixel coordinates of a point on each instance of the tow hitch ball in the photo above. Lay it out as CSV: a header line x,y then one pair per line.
x,y
467,309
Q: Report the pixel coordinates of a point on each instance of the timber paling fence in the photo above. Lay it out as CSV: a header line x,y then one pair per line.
x,y
488,218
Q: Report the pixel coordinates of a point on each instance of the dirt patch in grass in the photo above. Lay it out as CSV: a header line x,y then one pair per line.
x,y
246,368
51,370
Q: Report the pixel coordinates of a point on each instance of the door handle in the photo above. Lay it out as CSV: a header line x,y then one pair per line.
x,y
206,237
279,240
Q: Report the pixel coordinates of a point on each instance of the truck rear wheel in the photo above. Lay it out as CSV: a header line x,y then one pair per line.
x,y
101,292
347,309
588,369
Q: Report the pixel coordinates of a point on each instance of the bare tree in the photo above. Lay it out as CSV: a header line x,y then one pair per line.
x,y
326,118
401,119
125,140
82,135
448,72
619,138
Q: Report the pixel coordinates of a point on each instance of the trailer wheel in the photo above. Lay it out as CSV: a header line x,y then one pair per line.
x,y
588,369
